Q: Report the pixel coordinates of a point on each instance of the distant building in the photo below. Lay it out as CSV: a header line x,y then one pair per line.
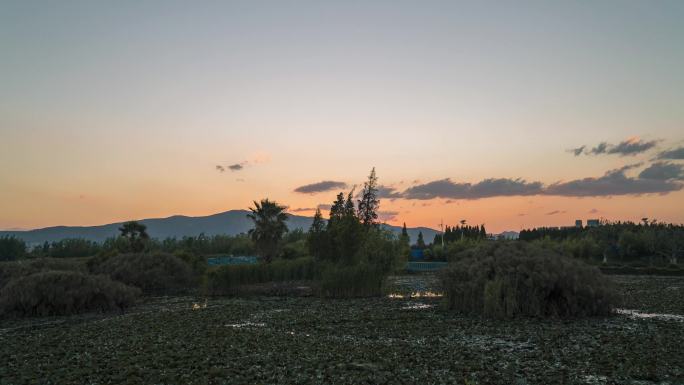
x,y
593,222
578,223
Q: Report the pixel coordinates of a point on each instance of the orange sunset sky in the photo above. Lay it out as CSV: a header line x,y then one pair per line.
x,y
511,114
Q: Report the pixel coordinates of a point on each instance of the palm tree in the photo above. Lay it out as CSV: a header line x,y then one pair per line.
x,y
136,233
269,226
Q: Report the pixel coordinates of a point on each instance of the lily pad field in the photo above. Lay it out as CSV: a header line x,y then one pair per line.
x,y
399,338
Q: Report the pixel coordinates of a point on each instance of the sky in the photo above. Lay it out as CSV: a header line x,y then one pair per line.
x,y
508,114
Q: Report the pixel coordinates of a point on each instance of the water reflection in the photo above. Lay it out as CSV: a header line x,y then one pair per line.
x,y
417,294
638,314
417,306
247,324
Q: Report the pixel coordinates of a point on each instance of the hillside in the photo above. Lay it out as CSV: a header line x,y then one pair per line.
x,y
229,223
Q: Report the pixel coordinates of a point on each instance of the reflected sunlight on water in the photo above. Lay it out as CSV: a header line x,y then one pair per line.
x,y
417,294
638,314
247,324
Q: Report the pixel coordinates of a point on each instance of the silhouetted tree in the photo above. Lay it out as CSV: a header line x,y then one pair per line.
x,y
136,234
420,242
405,238
269,226
336,210
317,236
369,202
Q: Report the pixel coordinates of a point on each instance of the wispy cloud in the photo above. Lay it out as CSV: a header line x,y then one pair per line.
x,y
302,209
629,147
577,151
237,166
326,185
324,206
255,159
556,212
387,215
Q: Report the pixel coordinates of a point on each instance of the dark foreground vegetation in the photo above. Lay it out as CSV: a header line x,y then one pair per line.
x,y
507,279
288,340
64,292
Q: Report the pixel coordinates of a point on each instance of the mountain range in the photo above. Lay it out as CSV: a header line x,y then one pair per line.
x,y
231,222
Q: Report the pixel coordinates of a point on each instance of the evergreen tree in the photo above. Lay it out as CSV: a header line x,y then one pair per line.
x,y
437,240
318,224
349,209
421,242
317,236
336,210
405,238
369,203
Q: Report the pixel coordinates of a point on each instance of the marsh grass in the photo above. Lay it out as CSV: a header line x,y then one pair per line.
x,y
228,279
361,280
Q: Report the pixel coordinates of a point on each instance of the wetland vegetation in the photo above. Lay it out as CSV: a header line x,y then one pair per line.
x,y
256,339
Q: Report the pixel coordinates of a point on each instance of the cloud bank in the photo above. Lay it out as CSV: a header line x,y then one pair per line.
x,y
446,188
663,171
657,178
673,154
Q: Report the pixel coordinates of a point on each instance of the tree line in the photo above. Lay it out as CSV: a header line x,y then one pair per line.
x,y
616,241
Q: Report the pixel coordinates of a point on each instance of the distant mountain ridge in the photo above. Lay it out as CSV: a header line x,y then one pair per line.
x,y
231,222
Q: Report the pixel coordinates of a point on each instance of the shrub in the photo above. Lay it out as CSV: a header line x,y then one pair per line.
x,y
380,249
198,263
16,269
583,248
361,280
508,279
295,250
153,273
226,279
62,293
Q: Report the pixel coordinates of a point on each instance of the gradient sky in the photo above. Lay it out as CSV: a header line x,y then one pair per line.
x,y
122,110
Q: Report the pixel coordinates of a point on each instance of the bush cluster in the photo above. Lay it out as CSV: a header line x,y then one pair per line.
x,y
153,273
63,293
226,279
21,268
508,279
